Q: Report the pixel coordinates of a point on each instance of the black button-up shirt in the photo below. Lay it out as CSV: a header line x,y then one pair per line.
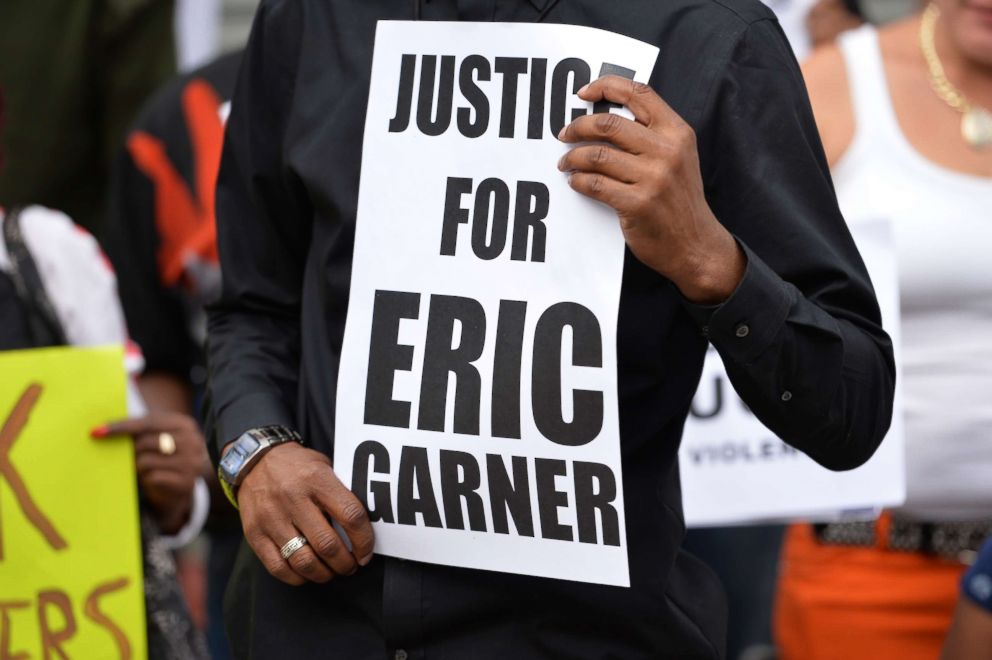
x,y
801,336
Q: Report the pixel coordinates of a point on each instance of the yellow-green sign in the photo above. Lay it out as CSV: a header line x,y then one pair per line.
x,y
70,549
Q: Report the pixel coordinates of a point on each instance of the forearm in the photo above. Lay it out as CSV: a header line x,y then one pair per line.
x,y
823,383
254,366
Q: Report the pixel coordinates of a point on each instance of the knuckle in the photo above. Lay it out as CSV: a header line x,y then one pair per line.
x,y
313,473
304,562
684,137
275,566
354,514
639,88
608,123
326,544
295,496
601,155
596,184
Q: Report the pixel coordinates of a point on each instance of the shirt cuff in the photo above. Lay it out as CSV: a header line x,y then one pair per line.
x,y
745,324
250,411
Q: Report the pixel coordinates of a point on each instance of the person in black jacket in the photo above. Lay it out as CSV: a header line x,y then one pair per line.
x,y
734,235
160,236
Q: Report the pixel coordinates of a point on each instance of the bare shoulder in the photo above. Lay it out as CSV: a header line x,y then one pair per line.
x,y
899,40
826,80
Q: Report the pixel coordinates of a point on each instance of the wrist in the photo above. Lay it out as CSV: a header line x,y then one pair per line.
x,y
712,275
239,457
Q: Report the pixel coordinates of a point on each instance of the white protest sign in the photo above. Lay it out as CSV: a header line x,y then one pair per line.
x,y
734,470
477,411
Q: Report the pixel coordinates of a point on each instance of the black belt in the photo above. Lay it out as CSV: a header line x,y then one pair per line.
x,y
952,540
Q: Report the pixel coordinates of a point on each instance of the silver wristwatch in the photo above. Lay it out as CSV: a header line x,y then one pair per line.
x,y
246,451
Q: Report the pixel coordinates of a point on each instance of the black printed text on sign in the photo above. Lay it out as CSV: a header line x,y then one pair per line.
x,y
477,396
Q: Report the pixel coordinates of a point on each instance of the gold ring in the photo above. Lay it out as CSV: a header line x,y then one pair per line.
x,y
166,444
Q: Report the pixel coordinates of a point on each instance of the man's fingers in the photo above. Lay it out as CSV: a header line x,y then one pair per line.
x,y
602,159
268,553
307,565
304,561
648,108
348,511
608,127
324,540
611,192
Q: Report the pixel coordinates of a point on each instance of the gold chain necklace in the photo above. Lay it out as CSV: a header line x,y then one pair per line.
x,y
976,122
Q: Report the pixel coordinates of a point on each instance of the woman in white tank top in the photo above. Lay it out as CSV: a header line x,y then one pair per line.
x,y
901,114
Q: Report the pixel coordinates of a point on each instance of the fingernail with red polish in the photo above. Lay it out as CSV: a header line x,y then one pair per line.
x,y
99,432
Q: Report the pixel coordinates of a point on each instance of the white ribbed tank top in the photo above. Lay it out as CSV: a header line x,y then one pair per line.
x,y
942,224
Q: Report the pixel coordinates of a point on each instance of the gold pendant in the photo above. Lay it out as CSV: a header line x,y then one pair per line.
x,y
976,127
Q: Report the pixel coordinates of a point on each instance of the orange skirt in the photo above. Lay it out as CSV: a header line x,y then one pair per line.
x,y
849,603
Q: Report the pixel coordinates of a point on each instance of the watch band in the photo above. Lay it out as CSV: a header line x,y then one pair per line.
x,y
245,452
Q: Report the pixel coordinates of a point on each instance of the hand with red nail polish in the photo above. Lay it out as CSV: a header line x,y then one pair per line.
x,y
167,467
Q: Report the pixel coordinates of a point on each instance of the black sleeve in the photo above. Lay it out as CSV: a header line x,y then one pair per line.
x,y
263,230
801,337
157,318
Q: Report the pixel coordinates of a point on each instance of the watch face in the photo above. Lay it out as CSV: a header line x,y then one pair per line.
x,y
232,462
236,457
247,444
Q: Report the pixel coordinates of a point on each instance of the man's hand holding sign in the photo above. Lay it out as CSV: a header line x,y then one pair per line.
x,y
650,175
294,488
647,170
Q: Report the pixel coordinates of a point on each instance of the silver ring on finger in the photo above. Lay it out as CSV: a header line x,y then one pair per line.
x,y
292,546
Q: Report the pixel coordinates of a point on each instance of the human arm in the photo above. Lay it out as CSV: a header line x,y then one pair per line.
x,y
970,637
79,280
830,97
800,334
168,471
263,227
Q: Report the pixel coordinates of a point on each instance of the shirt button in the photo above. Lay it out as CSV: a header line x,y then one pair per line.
x,y
787,396
401,655
743,330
